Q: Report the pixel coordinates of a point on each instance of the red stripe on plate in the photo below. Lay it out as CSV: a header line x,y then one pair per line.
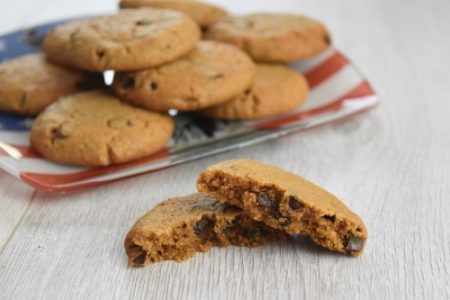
x,y
326,69
46,181
362,90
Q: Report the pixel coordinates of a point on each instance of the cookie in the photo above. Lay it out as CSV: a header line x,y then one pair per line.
x,y
203,13
275,89
132,39
96,129
270,37
29,83
209,75
286,202
178,228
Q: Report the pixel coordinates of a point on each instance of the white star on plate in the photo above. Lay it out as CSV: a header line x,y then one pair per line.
x,y
27,123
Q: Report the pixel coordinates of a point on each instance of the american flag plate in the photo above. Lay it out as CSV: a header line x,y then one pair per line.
x,y
338,90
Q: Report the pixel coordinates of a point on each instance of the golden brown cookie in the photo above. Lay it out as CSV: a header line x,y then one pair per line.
x,y
96,129
270,37
275,89
132,39
286,202
203,13
178,228
29,83
209,75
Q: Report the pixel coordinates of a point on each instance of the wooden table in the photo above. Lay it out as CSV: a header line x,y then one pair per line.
x,y
391,165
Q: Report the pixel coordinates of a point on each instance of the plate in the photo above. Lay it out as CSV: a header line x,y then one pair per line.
x,y
338,90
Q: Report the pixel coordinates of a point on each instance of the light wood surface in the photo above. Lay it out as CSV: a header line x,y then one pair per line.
x,y
391,165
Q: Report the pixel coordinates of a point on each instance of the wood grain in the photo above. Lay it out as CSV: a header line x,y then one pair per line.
x,y
15,199
392,166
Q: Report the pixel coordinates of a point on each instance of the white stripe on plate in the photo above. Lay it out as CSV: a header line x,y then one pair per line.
x,y
36,165
334,87
19,138
309,64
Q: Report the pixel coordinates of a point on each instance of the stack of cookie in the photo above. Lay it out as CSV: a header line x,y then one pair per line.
x,y
243,203
160,63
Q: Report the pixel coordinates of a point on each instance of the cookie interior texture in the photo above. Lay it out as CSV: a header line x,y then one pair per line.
x,y
131,39
96,129
272,37
178,228
209,75
275,89
203,13
286,202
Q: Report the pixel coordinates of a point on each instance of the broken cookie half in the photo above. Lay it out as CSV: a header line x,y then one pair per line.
x,y
178,228
286,202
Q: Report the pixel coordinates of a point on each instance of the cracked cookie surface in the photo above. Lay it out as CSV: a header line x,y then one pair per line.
x,y
96,129
270,37
209,75
275,89
286,202
203,13
178,228
132,39
29,83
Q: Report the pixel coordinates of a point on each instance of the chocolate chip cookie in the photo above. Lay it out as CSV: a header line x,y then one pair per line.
x,y
275,89
209,75
270,37
178,228
29,83
96,129
132,39
287,202
203,13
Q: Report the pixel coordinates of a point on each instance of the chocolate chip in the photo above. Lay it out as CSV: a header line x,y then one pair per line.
x,y
73,35
153,86
216,76
294,204
264,200
190,99
100,53
286,222
60,133
330,218
135,247
327,39
23,100
230,230
127,82
277,214
119,123
140,260
353,244
143,22
202,226
237,220
252,234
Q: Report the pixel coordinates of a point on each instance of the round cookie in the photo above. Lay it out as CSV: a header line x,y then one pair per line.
x,y
209,75
276,89
29,83
130,40
270,37
203,13
96,129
